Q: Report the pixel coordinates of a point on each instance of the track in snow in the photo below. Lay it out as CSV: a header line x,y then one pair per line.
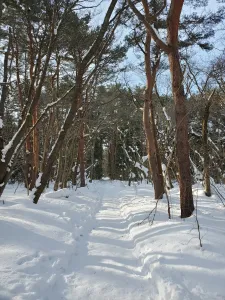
x,y
107,266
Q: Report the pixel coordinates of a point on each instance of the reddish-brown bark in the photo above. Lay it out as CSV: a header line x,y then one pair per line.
x,y
149,125
171,48
182,143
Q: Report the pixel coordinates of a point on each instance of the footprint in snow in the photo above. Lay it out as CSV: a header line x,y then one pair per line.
x,y
27,258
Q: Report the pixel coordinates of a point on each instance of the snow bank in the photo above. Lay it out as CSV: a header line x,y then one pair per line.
x,y
38,242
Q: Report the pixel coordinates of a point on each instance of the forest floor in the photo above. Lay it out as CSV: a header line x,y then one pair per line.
x,y
89,244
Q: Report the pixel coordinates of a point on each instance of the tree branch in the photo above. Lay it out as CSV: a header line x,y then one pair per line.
x,y
150,28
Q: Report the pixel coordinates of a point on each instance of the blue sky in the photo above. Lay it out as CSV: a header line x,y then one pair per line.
x,y
199,56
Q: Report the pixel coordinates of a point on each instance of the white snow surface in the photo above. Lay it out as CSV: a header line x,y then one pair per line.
x,y
1,122
166,115
89,244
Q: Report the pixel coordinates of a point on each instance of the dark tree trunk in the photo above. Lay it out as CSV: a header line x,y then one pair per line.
x,y
111,158
92,175
81,150
4,91
206,154
206,162
58,179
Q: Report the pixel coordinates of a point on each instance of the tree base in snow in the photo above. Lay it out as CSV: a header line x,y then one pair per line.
x,y
187,212
208,194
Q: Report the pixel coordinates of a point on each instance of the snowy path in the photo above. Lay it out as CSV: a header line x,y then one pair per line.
x,y
87,245
108,266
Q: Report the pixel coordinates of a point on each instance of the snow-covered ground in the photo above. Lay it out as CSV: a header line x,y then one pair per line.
x,y
89,245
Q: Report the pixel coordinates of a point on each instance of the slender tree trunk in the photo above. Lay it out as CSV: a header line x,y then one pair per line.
x,y
92,160
182,143
28,162
81,150
206,154
156,173
149,125
75,172
205,146
35,151
47,141
4,91
59,172
64,172
111,158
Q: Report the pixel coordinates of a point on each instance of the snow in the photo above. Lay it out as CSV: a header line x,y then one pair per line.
x,y
144,158
157,33
164,168
6,149
38,181
10,143
166,115
89,244
142,168
1,122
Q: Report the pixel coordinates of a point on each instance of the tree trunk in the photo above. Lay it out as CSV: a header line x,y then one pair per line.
x,y
47,140
149,125
59,172
92,175
81,147
205,146
65,170
4,91
111,158
75,171
35,151
182,143
206,154
156,173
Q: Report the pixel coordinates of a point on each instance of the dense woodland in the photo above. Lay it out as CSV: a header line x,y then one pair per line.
x,y
69,115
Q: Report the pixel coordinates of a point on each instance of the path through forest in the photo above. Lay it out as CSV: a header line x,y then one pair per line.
x,y
107,265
